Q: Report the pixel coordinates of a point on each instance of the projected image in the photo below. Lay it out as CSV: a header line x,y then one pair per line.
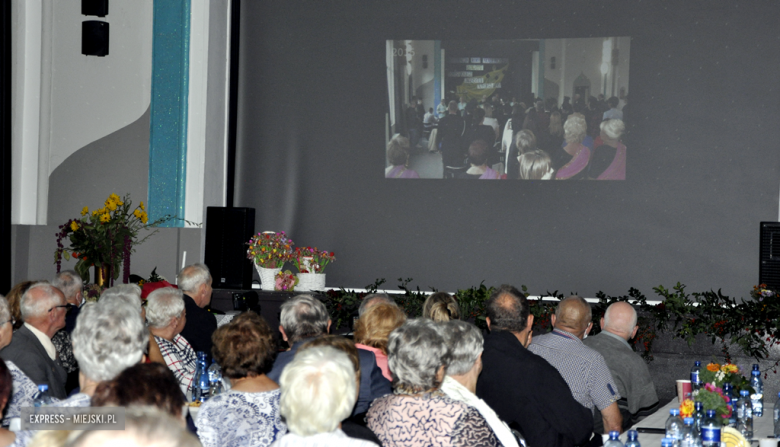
x,y
539,109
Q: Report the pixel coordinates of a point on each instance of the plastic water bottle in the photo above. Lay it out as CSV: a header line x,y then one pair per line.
x,y
42,397
745,415
690,438
666,442
632,439
698,417
710,430
215,378
776,416
614,439
728,392
200,381
674,426
757,398
695,376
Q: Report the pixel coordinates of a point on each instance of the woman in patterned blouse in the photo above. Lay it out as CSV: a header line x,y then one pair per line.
x,y
248,414
418,413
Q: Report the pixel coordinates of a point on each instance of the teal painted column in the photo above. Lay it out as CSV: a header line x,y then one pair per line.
x,y
170,90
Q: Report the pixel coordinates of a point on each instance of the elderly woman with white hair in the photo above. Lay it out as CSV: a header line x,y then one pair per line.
x,y
319,389
608,161
466,344
166,316
577,155
23,388
419,413
130,294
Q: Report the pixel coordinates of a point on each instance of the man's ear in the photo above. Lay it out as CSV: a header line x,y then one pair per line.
x,y
327,331
487,320
552,320
633,333
284,336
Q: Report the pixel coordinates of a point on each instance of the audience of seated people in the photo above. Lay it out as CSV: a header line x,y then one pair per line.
x,y
451,385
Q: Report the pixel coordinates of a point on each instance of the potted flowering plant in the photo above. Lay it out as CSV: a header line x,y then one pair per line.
x,y
104,238
311,263
712,398
717,375
285,281
268,252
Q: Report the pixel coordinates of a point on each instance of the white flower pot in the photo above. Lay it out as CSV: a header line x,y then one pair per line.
x,y
267,277
310,282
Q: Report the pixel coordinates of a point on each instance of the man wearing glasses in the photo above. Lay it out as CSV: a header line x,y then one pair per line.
x,y
43,309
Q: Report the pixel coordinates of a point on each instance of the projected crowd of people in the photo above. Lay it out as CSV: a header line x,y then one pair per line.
x,y
497,138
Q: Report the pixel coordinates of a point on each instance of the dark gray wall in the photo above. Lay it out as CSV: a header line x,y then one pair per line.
x,y
702,154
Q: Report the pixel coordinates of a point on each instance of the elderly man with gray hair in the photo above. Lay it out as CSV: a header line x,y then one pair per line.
x,y
583,369
304,317
195,281
633,379
466,343
43,309
167,316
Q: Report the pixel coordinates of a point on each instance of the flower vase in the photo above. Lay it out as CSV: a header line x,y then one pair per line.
x,y
102,276
267,277
310,282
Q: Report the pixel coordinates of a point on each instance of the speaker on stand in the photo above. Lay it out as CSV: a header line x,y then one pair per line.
x,y
227,232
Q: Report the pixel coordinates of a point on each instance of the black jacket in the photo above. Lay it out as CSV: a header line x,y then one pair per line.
x,y
199,326
530,394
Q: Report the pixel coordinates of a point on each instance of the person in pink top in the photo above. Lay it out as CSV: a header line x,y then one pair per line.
x,y
398,156
374,327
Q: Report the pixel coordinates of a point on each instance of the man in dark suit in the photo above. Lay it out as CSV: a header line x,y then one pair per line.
x,y
195,281
305,317
70,283
524,390
43,309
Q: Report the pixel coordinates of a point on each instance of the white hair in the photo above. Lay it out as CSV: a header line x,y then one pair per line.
x,y
47,297
69,282
466,344
162,305
5,312
128,293
109,337
575,128
192,276
144,427
415,352
303,316
613,128
319,390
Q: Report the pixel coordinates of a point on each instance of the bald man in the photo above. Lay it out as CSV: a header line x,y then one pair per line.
x,y
635,385
583,369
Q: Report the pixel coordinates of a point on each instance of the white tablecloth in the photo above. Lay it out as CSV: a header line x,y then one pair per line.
x,y
762,427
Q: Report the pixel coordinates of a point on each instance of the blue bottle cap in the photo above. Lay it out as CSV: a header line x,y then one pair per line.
x,y
710,413
688,421
743,393
755,366
674,411
697,363
43,387
632,435
667,442
698,406
614,434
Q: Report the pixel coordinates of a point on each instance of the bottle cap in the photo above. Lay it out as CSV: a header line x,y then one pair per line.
x,y
755,366
698,406
667,442
710,413
43,387
743,393
632,435
697,363
688,421
614,434
674,412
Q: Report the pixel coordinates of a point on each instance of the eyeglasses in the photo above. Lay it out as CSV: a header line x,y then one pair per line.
x,y
66,306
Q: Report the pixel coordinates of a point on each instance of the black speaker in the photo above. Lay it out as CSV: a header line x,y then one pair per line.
x,y
769,255
227,232
94,8
94,38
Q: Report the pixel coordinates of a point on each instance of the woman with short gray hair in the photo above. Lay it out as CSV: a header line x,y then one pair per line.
x,y
419,413
465,341
575,130
166,316
609,157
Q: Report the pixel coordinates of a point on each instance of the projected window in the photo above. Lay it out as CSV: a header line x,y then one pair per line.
x,y
531,109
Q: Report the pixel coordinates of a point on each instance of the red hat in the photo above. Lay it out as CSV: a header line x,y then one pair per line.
x,y
152,286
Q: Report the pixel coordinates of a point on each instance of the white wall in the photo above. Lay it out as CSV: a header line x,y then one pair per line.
x,y
423,77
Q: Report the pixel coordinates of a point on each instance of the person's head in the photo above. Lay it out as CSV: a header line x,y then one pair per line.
x,y
14,298
566,99
478,153
444,100
128,293
43,306
525,141
244,347
6,325
573,315
6,385
612,129
417,355
488,110
556,125
374,299
343,344
108,338
165,310
375,325
441,307
195,281
613,102
144,427
601,97
479,115
452,107
507,310
575,129
319,390
531,119
539,104
465,341
151,384
620,319
303,316
398,150
535,165
430,110
70,283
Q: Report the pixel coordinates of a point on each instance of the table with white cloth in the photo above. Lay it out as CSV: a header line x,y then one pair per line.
x,y
762,426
